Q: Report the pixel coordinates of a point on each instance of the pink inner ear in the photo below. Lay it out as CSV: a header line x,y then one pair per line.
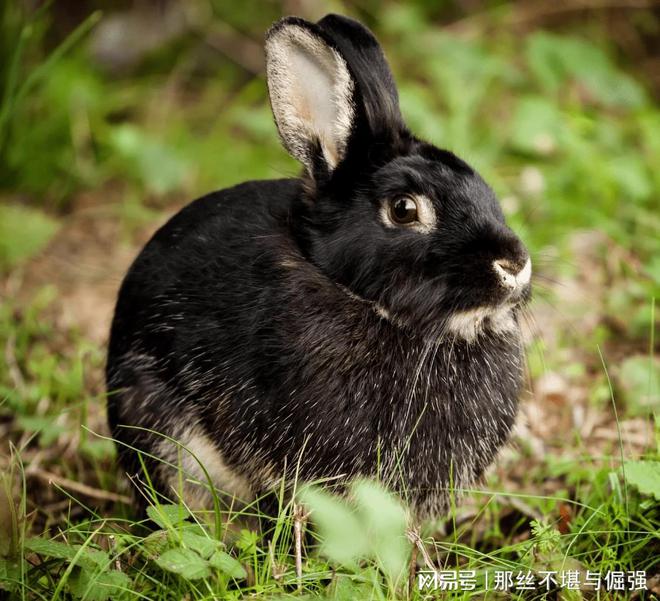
x,y
311,92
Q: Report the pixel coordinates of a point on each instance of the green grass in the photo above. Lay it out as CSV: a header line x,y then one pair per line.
x,y
562,127
100,557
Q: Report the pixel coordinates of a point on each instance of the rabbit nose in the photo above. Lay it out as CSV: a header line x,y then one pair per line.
x,y
511,275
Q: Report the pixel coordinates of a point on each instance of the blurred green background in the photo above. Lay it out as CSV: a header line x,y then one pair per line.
x,y
554,102
133,108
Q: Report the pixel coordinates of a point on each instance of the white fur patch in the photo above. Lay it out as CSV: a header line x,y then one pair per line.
x,y
468,324
199,448
502,320
311,94
425,214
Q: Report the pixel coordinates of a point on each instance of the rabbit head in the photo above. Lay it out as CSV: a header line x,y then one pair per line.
x,y
399,223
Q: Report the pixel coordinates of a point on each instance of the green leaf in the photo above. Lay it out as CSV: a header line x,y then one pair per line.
x,y
155,164
156,542
98,585
184,562
49,548
644,476
386,520
90,558
23,233
247,541
167,516
47,428
543,62
344,537
204,545
98,449
10,574
228,565
98,556
344,588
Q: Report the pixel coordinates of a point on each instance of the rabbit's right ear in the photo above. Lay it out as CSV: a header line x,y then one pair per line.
x,y
311,93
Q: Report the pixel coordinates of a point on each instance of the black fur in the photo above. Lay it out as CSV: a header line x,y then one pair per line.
x,y
377,96
304,337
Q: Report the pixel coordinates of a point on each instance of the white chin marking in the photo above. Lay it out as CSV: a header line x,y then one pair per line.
x,y
502,320
468,324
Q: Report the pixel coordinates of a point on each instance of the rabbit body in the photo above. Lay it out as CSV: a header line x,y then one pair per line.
x,y
295,329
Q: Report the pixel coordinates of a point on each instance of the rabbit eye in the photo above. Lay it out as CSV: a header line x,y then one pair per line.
x,y
403,210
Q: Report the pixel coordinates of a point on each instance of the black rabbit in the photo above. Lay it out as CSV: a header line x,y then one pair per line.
x,y
359,321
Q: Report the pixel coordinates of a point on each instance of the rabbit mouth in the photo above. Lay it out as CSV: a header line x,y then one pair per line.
x,y
498,318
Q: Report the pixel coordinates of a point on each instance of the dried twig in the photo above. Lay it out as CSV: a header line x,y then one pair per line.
x,y
415,539
113,545
83,489
299,519
412,570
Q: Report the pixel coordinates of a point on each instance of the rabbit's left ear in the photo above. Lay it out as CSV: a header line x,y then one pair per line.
x,y
311,93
